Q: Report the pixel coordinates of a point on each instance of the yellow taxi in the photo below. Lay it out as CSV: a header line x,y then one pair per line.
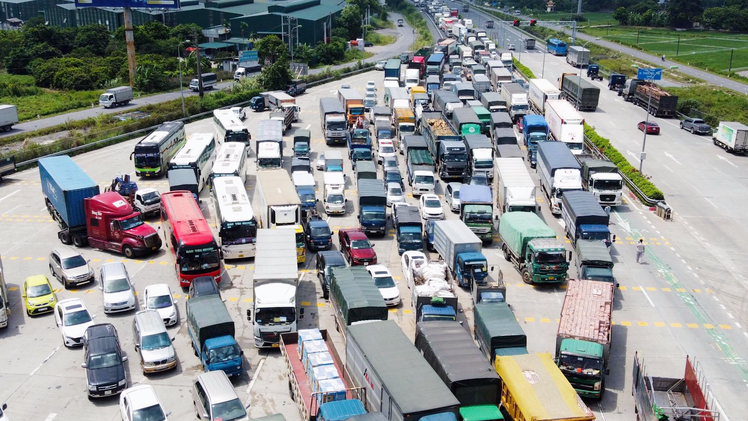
x,y
38,295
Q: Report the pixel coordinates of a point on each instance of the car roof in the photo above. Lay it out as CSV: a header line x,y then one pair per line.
x,y
218,386
142,396
430,196
455,185
103,345
150,322
72,304
318,223
65,252
37,280
158,289
332,257
378,270
113,270
100,330
355,234
392,184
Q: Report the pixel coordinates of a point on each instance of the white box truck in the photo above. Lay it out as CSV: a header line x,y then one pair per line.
x,y
542,90
116,96
565,124
731,136
516,190
8,117
279,204
559,171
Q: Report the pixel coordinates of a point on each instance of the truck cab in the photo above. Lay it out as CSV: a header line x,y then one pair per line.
x,y
147,201
222,353
476,210
582,363
211,331
114,226
435,309
471,267
594,261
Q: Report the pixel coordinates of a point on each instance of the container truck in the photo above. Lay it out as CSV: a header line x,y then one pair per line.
x,y
274,286
461,250
534,131
480,155
420,165
668,398
584,218
565,124
510,151
516,100
402,388
465,122
446,102
481,83
731,136
8,117
447,148
559,172
448,348
476,210
497,331
334,123
629,89
584,335
493,101
516,190
659,102
353,103
269,144
372,205
544,395
211,331
392,72
594,261
306,374
106,221
408,228
541,90
578,56
602,179
500,76
354,297
279,204
532,248
115,97
580,92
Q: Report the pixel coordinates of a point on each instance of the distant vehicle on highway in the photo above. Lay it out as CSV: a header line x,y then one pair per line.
x,y
696,126
652,127
400,22
380,65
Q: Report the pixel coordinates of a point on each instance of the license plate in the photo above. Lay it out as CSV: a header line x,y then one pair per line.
x,y
551,278
241,255
366,263
107,392
276,345
154,248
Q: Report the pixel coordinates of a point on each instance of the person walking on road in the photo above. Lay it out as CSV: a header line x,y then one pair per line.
x,y
663,57
640,251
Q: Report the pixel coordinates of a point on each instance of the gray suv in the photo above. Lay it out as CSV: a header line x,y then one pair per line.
x,y
695,125
69,267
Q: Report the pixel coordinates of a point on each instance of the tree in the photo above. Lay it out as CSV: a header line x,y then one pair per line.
x,y
683,13
621,15
150,77
244,27
714,17
185,31
270,49
277,75
94,37
155,30
350,18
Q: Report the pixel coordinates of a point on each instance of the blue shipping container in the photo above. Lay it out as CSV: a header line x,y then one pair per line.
x,y
65,185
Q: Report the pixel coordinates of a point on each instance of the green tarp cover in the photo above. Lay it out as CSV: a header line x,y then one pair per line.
x,y
497,325
356,295
516,229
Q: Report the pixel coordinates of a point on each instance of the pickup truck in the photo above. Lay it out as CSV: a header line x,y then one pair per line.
x,y
211,331
285,116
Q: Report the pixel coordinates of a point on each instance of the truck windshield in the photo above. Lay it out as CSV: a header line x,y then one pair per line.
x,y
373,215
550,257
521,209
238,232
360,154
336,125
575,364
194,260
455,157
478,269
483,163
520,108
224,353
407,128
602,236
537,137
301,147
608,184
227,411
307,197
269,162
275,316
575,146
410,237
105,97
478,213
321,232
131,222
150,198
356,110
599,274
157,341
437,317
335,199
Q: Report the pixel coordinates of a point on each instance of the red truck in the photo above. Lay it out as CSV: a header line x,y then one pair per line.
x,y
356,247
418,62
105,221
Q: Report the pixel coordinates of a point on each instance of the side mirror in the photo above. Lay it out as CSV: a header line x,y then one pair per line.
x,y
168,413
614,239
241,353
358,217
301,313
247,406
607,371
249,315
101,287
345,200
5,406
83,365
124,358
173,338
569,258
204,415
137,347
207,361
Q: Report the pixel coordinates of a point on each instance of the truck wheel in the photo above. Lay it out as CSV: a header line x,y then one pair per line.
x,y
79,241
506,253
64,238
128,252
526,278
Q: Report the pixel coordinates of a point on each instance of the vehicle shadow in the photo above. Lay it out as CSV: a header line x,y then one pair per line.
x,y
17,309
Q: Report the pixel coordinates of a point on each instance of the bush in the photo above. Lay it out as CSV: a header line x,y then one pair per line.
x,y
524,70
604,146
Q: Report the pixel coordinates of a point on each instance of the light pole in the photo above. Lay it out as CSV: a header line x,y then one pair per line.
x,y
580,77
646,119
542,70
181,89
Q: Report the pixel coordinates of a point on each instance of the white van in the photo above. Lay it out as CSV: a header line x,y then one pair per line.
x,y
334,198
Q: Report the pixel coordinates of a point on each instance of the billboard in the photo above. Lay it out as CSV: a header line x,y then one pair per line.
x,y
649,74
248,58
134,4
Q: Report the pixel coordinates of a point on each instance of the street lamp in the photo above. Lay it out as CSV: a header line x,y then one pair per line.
x,y
580,76
646,119
179,61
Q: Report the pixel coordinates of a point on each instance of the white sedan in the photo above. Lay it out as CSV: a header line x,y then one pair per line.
x,y
72,318
371,86
158,297
410,259
431,207
141,403
386,283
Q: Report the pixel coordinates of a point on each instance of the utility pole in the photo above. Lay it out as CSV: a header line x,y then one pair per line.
x,y
579,8
181,90
677,49
732,53
130,41
199,72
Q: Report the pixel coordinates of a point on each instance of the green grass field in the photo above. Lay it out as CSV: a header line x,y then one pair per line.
x,y
704,49
593,18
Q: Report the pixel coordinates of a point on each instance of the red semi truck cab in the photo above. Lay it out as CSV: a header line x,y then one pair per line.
x,y
112,225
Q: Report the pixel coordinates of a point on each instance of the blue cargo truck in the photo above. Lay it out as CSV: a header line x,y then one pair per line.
x,y
211,331
534,131
408,228
585,219
372,204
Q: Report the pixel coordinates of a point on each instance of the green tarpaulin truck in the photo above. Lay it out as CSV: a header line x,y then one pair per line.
x,y
532,247
354,297
496,328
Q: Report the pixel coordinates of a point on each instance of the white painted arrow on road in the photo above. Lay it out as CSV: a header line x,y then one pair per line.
x,y
633,155
726,160
671,157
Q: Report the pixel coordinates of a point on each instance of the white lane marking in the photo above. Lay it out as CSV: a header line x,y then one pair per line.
x,y
307,127
51,416
711,203
11,210
668,168
746,334
726,160
738,325
673,158
730,316
1,199
696,275
647,295
722,306
689,268
633,155
45,360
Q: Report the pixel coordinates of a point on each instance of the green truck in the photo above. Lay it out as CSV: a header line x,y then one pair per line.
x,y
354,297
532,247
584,335
594,261
497,330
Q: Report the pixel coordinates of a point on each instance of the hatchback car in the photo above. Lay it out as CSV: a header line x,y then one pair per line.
x,y
452,196
652,127
324,261
386,284
695,126
158,297
104,362
117,291
395,194
140,403
69,267
72,318
431,208
38,295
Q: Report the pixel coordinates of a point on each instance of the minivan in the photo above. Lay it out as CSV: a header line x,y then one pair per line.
x,y
214,398
152,342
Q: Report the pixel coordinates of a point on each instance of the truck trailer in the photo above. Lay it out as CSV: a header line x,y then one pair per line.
x,y
354,297
541,90
565,124
579,92
584,218
558,171
731,136
8,117
659,102
532,248
578,56
515,191
497,331
516,100
279,204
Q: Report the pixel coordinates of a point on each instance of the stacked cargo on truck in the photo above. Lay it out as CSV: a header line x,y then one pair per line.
x,y
446,146
580,92
516,189
400,388
532,248
497,331
558,171
658,101
584,218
